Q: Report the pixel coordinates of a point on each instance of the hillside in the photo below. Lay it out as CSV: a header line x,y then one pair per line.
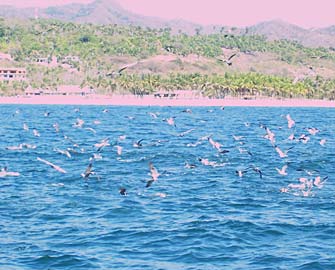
x,y
100,12
110,12
277,29
114,58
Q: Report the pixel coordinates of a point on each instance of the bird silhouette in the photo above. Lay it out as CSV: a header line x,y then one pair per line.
x,y
227,60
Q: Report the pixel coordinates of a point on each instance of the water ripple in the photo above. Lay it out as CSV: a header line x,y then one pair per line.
x,y
206,217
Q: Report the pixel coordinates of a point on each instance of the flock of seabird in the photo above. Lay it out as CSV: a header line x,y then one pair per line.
x,y
303,186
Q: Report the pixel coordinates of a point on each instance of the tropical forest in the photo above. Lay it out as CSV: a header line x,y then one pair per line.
x,y
124,59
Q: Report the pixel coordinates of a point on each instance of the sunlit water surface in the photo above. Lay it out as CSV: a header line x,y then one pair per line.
x,y
202,218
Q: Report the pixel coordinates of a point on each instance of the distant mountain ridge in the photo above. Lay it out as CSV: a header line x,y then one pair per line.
x,y
278,29
111,12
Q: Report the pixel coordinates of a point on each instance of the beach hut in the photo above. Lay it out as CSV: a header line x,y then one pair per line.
x,y
74,90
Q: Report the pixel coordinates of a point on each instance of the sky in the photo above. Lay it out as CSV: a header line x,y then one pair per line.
x,y
305,13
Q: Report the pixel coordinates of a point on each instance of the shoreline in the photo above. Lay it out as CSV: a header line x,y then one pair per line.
x,y
131,100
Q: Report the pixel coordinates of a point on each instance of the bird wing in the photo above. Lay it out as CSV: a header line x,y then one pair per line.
x,y
122,69
57,168
151,167
290,148
231,57
149,183
88,170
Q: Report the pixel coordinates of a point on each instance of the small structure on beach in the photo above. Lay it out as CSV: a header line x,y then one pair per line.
x,y
76,90
12,74
180,94
63,90
33,91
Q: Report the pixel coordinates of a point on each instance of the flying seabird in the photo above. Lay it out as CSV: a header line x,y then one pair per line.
x,y
241,150
318,183
118,72
281,153
313,130
228,60
91,129
88,170
304,138
138,144
118,149
153,115
240,173
257,170
63,152
282,171
36,133
170,121
185,132
25,127
291,137
102,144
269,135
153,171
57,168
56,127
122,137
215,144
290,121
154,175
322,142
206,162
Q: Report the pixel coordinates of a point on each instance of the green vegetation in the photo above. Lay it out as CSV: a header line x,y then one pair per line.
x,y
248,84
99,47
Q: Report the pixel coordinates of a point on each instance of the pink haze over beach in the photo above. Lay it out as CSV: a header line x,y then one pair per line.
x,y
311,13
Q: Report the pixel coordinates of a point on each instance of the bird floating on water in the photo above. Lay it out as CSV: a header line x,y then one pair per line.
x,y
123,191
4,173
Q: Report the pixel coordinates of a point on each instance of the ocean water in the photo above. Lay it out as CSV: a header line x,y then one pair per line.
x,y
206,217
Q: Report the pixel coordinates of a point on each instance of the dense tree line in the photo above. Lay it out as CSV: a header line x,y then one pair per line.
x,y
93,43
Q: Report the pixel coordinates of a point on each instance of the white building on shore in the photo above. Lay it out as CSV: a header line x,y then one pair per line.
x,y
12,74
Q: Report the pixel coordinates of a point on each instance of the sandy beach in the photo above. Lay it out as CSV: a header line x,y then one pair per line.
x,y
130,100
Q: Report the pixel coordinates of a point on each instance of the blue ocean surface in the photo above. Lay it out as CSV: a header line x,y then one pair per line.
x,y
200,216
